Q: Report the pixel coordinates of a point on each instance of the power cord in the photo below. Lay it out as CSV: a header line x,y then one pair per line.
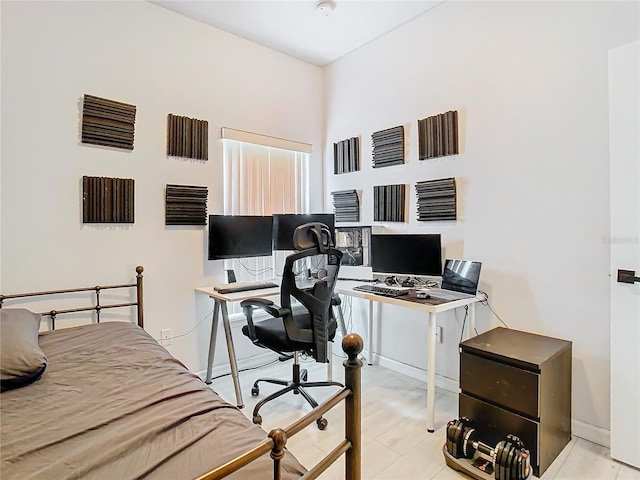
x,y
246,369
190,331
256,271
485,302
464,322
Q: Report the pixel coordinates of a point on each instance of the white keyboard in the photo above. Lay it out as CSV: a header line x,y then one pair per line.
x,y
244,286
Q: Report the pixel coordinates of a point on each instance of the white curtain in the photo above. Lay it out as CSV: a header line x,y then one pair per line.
x,y
263,180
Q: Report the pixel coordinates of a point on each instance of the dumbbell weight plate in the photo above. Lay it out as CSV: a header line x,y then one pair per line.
x,y
509,463
515,470
506,448
454,438
498,457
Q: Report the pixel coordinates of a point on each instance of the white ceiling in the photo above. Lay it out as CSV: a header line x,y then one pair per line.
x,y
296,28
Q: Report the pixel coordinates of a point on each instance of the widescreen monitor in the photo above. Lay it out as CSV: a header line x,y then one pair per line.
x,y
406,254
285,224
238,236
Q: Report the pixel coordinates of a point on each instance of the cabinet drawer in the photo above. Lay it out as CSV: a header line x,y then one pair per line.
x,y
494,423
506,386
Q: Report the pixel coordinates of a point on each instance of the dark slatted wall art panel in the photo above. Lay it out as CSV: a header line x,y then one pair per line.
x,y
187,137
346,155
388,203
107,122
388,147
438,135
436,199
186,205
346,206
107,200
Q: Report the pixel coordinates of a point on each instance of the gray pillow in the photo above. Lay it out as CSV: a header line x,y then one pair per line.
x,y
21,359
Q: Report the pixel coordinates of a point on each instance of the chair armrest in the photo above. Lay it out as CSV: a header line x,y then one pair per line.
x,y
335,299
263,304
266,305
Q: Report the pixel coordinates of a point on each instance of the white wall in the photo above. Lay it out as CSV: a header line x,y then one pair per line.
x,y
529,80
139,53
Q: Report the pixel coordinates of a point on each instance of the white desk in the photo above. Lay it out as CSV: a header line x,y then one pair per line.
x,y
346,288
220,305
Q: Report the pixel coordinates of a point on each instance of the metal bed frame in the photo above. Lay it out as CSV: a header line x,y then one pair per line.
x,y
276,441
97,308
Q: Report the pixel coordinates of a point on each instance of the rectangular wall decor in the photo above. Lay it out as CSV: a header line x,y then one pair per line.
x,y
388,203
107,200
346,155
438,135
107,122
436,199
187,137
346,206
388,147
186,205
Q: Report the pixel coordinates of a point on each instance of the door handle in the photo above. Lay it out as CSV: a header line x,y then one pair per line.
x,y
627,276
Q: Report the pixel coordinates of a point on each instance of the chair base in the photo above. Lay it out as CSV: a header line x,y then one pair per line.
x,y
298,385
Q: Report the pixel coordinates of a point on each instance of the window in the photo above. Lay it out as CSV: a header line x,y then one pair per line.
x,y
263,175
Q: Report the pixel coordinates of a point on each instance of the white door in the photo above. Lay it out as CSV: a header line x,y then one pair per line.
x,y
624,149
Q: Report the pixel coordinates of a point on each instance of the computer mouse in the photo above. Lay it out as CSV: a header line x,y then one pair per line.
x,y
423,295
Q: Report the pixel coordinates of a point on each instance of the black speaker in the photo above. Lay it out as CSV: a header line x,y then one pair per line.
x,y
231,276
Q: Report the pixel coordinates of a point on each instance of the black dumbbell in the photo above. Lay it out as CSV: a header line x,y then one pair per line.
x,y
510,459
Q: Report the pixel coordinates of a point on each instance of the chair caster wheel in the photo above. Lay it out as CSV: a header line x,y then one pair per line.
x,y
322,423
255,391
257,419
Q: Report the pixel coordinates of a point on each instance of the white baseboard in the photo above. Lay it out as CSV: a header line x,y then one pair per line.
x,y
445,383
592,433
243,363
579,429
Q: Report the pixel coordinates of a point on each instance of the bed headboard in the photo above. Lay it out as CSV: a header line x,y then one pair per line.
x,y
97,307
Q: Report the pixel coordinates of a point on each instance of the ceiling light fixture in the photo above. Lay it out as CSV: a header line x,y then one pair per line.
x,y
325,7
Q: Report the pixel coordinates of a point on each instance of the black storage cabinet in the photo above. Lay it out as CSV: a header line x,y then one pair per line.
x,y
519,383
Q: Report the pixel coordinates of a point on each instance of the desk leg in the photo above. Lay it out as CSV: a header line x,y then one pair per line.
x,y
343,328
472,320
232,354
212,341
370,333
431,373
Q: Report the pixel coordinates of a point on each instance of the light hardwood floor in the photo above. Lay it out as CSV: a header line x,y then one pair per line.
x,y
396,445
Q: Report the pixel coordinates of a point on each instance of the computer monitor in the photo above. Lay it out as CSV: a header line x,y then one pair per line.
x,y
406,254
285,224
354,242
238,236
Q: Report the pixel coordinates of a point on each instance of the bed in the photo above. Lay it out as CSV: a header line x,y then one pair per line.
x,y
105,401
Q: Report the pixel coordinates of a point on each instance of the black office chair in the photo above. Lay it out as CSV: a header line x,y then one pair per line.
x,y
308,332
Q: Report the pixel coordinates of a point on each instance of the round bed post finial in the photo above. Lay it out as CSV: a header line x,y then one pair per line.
x,y
352,345
279,438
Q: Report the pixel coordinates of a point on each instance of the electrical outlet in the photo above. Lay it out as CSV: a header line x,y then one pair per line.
x,y
438,334
165,337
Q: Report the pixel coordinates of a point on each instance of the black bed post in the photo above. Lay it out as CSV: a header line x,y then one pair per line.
x,y
139,271
352,345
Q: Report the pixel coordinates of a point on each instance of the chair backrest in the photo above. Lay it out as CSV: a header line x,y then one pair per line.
x,y
315,296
